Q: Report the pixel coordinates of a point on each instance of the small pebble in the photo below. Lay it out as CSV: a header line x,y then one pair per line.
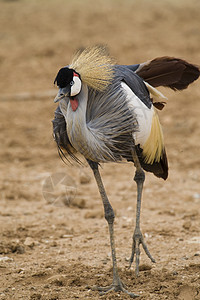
x,y
78,202
94,214
175,273
196,196
20,249
5,258
20,270
66,236
184,258
84,178
145,267
187,225
53,244
130,208
2,295
29,242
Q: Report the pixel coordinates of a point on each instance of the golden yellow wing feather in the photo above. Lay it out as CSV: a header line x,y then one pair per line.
x,y
154,146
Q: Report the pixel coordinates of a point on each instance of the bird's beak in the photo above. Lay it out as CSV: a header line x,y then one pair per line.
x,y
62,93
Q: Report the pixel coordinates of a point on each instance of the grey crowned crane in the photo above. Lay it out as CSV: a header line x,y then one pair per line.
x,y
107,113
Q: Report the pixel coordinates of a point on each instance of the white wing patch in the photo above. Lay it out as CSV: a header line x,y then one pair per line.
x,y
144,116
156,94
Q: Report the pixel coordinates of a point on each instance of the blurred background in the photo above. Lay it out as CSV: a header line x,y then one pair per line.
x,y
37,38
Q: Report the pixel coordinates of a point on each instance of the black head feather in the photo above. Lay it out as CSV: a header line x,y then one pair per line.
x,y
64,77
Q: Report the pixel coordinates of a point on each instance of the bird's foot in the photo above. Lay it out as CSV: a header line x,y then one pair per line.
x,y
137,240
116,286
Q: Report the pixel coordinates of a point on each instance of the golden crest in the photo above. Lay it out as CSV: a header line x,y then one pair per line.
x,y
95,67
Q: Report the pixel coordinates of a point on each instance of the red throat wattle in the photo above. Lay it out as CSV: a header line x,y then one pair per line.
x,y
74,104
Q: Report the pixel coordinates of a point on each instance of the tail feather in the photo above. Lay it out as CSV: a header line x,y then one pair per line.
x,y
158,168
171,72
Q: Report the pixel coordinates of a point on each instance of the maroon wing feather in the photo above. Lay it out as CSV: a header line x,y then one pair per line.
x,y
171,72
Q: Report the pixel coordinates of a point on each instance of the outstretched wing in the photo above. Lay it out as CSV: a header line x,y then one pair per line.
x,y
171,72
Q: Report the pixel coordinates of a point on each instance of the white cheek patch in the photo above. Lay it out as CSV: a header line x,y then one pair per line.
x,y
76,87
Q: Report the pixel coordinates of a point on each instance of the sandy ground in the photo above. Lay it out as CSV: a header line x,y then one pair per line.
x,y
54,240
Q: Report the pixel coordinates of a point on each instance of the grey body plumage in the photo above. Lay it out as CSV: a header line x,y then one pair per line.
x,y
103,130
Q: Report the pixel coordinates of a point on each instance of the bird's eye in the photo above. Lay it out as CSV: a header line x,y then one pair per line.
x,y
72,82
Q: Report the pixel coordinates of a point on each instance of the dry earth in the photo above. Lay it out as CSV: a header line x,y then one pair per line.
x,y
53,239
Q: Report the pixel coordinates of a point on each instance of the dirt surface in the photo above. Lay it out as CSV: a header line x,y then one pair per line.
x,y
54,240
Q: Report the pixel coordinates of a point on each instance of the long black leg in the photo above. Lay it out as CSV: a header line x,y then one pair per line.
x,y
117,284
137,235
